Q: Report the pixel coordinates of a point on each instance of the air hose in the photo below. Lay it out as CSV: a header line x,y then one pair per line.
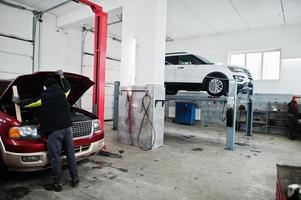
x,y
146,102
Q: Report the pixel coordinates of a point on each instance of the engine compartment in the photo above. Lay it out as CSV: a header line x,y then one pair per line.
x,y
30,116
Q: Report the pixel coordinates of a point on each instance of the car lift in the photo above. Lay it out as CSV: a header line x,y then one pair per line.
x,y
231,115
100,48
231,111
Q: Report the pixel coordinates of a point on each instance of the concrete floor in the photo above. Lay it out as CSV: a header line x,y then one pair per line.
x,y
192,165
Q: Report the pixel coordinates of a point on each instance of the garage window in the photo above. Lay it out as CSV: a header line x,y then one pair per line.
x,y
263,65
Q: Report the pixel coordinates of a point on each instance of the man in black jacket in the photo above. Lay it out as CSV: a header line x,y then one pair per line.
x,y
55,121
293,116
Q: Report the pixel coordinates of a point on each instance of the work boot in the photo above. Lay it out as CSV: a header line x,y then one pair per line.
x,y
54,187
74,182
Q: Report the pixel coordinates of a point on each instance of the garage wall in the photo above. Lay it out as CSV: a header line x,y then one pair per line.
x,y
15,55
59,49
216,48
112,72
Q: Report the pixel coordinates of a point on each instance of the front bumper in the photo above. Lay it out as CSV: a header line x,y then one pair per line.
x,y
14,161
246,84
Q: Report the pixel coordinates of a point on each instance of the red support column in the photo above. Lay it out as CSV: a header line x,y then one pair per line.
x,y
100,48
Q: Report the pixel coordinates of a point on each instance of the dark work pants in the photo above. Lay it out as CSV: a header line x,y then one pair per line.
x,y
292,125
56,141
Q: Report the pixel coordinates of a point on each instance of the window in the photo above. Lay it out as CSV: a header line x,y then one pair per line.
x,y
263,65
190,60
185,60
253,64
271,65
172,60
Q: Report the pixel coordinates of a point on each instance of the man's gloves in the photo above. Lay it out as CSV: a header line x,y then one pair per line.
x,y
15,100
60,73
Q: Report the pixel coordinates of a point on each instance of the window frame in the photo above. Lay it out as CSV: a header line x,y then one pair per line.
x,y
169,63
262,60
191,56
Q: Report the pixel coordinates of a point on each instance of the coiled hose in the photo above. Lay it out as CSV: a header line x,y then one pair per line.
x,y
146,102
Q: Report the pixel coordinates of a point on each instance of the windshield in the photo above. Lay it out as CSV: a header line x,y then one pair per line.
x,y
3,85
205,60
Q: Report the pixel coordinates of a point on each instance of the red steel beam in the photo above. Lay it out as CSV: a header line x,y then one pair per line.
x,y
100,48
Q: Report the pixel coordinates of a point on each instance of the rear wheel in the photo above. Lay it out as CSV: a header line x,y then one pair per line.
x,y
216,86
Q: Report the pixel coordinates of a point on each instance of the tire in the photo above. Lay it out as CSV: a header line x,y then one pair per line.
x,y
216,86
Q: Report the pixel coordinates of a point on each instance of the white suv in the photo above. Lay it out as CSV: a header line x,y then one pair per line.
x,y
185,71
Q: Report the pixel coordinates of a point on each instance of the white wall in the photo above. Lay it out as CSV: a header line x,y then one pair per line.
x,y
143,37
59,49
112,72
217,47
15,55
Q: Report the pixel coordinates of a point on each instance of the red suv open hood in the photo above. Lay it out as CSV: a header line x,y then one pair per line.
x,y
31,85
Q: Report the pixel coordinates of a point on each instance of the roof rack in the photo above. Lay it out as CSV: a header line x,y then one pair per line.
x,y
175,53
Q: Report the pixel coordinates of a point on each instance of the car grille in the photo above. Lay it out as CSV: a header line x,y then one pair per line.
x,y
249,74
77,149
81,129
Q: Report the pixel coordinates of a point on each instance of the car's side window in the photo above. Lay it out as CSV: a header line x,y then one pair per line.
x,y
172,60
190,60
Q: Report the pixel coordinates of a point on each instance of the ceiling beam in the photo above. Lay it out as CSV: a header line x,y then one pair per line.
x,y
283,13
238,13
56,6
84,14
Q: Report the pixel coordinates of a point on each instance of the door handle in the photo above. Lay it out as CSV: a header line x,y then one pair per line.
x,y
180,67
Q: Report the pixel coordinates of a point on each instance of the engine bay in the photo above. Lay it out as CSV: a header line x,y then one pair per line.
x,y
30,116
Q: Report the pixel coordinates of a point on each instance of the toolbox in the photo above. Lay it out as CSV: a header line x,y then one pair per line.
x,y
185,113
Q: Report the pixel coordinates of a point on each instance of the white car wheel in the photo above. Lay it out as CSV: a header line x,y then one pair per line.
x,y
215,86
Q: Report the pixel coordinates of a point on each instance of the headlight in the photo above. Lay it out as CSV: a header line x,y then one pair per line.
x,y
24,132
239,78
236,69
96,125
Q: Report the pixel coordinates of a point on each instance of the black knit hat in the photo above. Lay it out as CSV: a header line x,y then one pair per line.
x,y
49,82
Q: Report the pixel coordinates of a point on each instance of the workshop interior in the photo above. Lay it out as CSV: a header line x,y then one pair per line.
x,y
168,99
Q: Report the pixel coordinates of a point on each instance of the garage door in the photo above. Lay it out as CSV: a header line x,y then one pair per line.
x,y
112,73
15,54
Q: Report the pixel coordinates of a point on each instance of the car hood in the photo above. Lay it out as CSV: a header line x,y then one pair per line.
x,y
31,86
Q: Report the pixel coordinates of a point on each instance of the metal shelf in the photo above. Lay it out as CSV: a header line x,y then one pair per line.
x,y
269,117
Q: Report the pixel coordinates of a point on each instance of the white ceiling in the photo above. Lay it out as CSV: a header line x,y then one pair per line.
x,y
192,18
42,5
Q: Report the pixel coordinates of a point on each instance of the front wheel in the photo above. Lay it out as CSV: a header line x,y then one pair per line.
x,y
216,86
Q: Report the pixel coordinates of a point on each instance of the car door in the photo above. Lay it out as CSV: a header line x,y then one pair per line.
x,y
189,69
171,63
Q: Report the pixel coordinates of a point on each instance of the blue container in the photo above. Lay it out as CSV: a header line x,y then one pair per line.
x,y
185,113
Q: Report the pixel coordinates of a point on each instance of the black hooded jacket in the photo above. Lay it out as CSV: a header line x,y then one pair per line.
x,y
55,110
293,109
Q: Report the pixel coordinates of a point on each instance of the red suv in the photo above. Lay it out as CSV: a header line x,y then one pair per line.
x,y
22,148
